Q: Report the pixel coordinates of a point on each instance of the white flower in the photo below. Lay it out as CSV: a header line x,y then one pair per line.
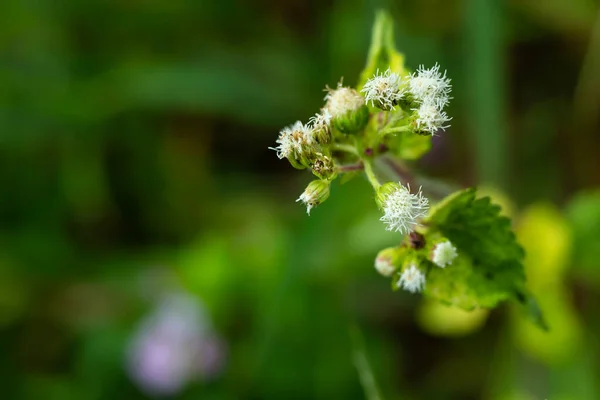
x,y
384,266
443,254
383,89
293,140
412,279
430,118
402,209
342,100
430,86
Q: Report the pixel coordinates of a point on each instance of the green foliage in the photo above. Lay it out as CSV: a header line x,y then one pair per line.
x,y
410,146
476,226
489,267
382,52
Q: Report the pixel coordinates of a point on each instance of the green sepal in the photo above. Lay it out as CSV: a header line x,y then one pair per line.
x,y
353,121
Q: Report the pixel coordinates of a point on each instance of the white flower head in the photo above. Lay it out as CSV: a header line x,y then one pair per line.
x,y
412,279
293,140
315,193
443,254
384,266
342,100
429,85
431,118
320,121
383,89
402,209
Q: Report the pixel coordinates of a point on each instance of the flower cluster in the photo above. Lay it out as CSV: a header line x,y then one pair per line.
x,y
354,129
431,93
427,93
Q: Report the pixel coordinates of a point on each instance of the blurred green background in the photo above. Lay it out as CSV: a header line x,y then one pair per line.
x,y
150,246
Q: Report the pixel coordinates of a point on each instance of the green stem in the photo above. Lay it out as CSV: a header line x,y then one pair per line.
x,y
371,174
344,147
397,129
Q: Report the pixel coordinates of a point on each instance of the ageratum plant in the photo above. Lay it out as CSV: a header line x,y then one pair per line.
x,y
458,249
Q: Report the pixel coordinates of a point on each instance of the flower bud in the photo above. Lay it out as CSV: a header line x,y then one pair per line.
x,y
323,167
321,125
388,260
315,193
347,109
443,254
412,278
353,121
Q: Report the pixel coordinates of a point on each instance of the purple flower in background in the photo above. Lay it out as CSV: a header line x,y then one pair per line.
x,y
174,345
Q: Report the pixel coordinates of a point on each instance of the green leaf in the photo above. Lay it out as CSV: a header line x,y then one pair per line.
x,y
468,285
476,227
382,52
409,145
489,267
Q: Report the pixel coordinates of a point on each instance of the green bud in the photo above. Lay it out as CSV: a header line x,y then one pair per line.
x,y
315,193
347,108
295,163
352,121
389,260
323,167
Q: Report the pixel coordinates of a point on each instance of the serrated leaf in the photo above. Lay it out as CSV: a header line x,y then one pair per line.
x,y
489,267
468,285
382,52
476,227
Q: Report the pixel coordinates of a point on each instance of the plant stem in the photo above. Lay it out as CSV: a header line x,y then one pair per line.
x,y
397,129
344,147
351,167
371,174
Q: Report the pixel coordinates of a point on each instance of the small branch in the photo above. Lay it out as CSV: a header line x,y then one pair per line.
x,y
397,129
351,167
344,147
371,175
